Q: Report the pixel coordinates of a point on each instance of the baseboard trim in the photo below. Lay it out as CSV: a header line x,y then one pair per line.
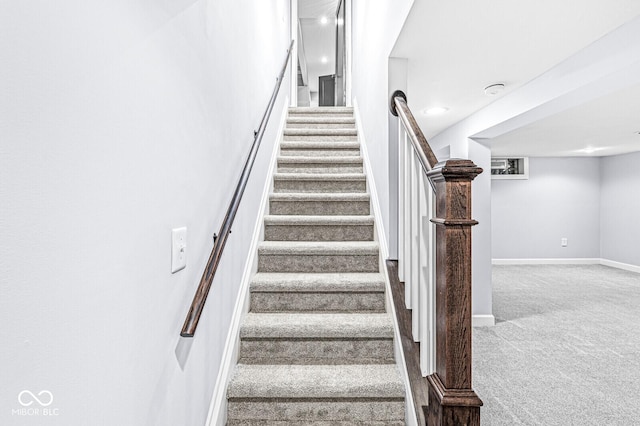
x,y
218,407
384,252
483,320
568,261
620,265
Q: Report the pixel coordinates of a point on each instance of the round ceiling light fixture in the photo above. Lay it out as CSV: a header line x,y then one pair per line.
x,y
435,110
494,89
324,60
324,20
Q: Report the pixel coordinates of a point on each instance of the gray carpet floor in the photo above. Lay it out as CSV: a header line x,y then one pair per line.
x,y
565,349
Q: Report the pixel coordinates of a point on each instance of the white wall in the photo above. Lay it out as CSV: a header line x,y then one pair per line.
x,y
561,199
120,120
376,26
620,204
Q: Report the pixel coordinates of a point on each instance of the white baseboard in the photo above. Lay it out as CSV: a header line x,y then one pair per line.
x,y
576,261
620,265
218,408
410,417
483,321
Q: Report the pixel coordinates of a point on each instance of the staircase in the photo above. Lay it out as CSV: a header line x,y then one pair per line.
x,y
316,347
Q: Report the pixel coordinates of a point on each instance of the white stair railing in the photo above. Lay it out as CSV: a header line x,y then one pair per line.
x,y
416,249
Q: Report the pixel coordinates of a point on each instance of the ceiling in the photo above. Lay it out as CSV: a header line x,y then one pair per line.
x,y
608,125
318,39
457,48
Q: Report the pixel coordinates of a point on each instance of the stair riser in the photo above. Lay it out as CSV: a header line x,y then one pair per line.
x,y
322,186
321,138
319,152
316,413
319,208
322,351
372,302
319,168
321,125
318,233
321,116
317,263
312,423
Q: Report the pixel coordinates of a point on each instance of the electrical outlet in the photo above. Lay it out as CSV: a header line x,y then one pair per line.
x,y
563,242
178,249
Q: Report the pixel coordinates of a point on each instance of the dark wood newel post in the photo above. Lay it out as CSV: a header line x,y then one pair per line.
x,y
452,400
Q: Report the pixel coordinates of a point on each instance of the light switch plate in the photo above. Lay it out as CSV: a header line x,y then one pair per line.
x,y
178,249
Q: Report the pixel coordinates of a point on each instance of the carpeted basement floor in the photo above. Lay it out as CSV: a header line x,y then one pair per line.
x,y
565,349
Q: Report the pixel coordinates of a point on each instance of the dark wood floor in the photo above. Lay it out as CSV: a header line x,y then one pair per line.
x,y
419,388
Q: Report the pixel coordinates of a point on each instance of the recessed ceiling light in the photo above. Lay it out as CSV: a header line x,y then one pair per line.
x,y
435,110
324,60
590,150
494,89
324,20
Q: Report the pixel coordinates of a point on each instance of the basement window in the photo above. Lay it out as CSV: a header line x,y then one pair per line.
x,y
510,168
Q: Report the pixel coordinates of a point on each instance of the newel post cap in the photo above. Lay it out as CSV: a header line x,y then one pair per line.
x,y
455,169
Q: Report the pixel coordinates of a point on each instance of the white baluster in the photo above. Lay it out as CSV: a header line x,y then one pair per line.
x,y
415,246
432,282
402,135
425,252
408,153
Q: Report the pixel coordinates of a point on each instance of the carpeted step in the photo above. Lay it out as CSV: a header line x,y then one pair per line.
x,y
320,122
312,256
306,164
319,204
319,182
316,395
320,292
321,112
333,135
318,228
319,149
316,338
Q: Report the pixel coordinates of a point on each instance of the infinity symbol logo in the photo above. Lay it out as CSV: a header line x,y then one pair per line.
x,y
22,402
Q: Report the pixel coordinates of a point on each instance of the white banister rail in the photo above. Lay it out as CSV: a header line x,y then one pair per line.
x,y
416,248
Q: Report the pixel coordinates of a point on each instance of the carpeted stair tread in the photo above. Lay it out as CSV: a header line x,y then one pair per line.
x,y
297,177
371,381
319,132
318,282
319,196
324,164
358,220
320,111
316,326
315,248
319,160
319,203
323,119
334,145
318,228
316,122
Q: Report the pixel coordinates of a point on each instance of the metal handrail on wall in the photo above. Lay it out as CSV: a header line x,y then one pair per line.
x,y
200,298
434,261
